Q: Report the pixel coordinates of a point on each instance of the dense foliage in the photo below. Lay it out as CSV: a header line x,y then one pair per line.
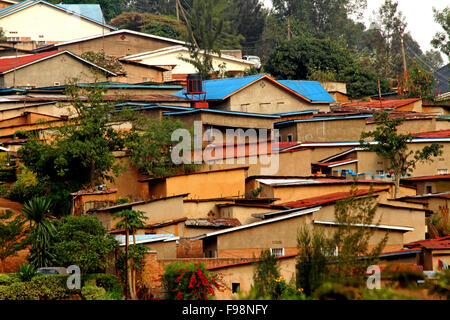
x,y
84,242
189,282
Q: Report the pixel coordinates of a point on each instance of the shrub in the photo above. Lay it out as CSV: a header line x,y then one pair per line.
x,y
336,291
442,285
6,279
280,290
384,294
402,274
109,282
91,292
26,272
188,282
41,287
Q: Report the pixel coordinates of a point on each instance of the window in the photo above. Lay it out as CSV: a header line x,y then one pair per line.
x,y
380,172
57,83
235,287
144,79
442,171
277,252
290,138
429,189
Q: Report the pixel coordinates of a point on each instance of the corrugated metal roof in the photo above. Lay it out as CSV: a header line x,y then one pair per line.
x,y
143,238
11,63
312,90
226,112
219,89
91,11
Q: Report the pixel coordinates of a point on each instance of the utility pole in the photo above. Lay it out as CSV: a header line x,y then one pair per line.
x,y
178,9
405,70
187,23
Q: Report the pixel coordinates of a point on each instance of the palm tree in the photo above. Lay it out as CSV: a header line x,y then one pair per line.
x,y
131,220
37,212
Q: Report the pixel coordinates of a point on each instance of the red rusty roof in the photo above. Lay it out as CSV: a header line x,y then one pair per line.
x,y
433,134
435,177
7,64
441,243
327,164
385,104
332,197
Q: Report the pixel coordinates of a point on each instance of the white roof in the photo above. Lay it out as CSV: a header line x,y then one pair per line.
x,y
178,48
379,226
146,35
298,213
285,181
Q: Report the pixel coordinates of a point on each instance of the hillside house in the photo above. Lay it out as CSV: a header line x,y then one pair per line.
x,y
48,69
36,23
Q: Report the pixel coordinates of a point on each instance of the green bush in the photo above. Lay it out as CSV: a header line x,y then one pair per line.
x,y
335,291
402,274
384,294
91,292
26,272
442,285
5,279
109,282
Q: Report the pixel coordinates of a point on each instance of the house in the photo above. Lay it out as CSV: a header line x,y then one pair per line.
x,y
429,184
35,23
412,104
118,43
201,184
286,189
174,57
338,90
434,254
262,94
48,69
279,234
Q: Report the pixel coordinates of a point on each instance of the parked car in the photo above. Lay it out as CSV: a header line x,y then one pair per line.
x,y
255,59
52,270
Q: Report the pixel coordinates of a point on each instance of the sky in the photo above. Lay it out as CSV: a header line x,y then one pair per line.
x,y
418,14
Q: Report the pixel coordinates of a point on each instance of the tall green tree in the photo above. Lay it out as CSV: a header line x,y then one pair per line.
x,y
130,221
80,152
38,213
441,39
12,236
394,147
266,269
84,242
149,146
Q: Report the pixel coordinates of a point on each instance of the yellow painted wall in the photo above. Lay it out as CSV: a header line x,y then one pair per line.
x,y
265,97
60,69
53,24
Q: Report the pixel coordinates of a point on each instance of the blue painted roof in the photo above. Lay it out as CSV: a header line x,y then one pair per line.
x,y
121,85
219,89
312,90
91,11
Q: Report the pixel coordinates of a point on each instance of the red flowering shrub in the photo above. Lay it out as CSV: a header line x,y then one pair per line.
x,y
189,282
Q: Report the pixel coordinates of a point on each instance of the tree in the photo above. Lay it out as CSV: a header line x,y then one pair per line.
x,y
393,146
158,25
247,18
80,152
12,236
37,212
354,217
205,28
101,59
150,144
321,18
82,241
299,57
390,23
441,40
266,269
362,82
420,83
130,221
312,261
